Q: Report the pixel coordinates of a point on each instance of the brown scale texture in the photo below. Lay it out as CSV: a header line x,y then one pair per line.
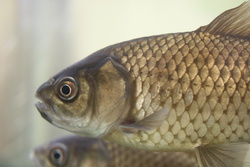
x,y
203,78
126,157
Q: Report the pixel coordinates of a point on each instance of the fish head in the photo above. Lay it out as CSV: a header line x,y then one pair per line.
x,y
64,101
74,151
89,98
49,155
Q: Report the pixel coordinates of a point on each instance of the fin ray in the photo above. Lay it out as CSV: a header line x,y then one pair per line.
x,y
233,22
224,155
150,122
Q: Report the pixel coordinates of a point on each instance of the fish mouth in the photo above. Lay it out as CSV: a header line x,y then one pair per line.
x,y
43,108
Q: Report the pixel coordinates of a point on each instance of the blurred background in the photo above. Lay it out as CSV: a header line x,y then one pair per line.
x,y
40,37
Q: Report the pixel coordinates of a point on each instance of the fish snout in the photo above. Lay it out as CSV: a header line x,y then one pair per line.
x,y
44,86
43,93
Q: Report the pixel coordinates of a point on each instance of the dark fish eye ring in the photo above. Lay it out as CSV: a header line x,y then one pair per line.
x,y
67,88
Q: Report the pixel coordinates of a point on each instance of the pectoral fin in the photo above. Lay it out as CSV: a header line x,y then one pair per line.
x,y
224,155
150,122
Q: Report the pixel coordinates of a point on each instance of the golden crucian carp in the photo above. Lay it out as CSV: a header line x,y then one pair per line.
x,y
171,92
77,151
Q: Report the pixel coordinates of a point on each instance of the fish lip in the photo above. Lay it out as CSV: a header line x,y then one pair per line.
x,y
43,108
42,111
42,105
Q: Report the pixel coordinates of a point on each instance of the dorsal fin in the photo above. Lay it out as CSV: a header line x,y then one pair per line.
x,y
233,22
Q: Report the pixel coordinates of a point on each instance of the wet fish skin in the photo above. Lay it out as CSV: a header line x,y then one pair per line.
x,y
76,151
171,92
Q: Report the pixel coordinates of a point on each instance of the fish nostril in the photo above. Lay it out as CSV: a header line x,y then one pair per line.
x,y
51,81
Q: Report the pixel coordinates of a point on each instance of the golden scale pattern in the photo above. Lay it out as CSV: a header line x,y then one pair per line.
x,y
124,156
203,78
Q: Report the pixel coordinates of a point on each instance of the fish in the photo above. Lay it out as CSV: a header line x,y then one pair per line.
x,y
77,151
170,92
70,151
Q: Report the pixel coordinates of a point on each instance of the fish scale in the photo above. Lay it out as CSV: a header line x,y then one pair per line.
x,y
121,156
201,67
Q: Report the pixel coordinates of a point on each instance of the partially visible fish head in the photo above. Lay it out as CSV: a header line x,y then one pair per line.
x,y
73,151
49,155
89,98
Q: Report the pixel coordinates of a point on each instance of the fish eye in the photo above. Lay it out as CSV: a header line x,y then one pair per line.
x,y
57,156
67,88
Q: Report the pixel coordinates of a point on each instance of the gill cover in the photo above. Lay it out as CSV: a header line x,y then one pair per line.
x,y
112,91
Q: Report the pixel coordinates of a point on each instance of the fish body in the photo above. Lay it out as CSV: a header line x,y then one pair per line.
x,y
172,92
76,151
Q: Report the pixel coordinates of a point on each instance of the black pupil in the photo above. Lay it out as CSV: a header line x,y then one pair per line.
x,y
57,155
66,89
